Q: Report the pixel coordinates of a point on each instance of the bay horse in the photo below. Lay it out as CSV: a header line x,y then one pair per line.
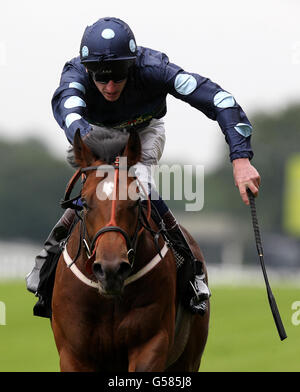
x,y
115,304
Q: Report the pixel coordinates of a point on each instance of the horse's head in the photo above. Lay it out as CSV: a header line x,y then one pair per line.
x,y
111,205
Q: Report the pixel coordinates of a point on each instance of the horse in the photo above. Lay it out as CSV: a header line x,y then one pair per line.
x,y
115,304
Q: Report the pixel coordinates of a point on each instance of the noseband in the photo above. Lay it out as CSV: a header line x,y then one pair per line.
x,y
111,226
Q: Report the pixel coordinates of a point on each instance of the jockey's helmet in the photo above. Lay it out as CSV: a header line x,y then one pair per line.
x,y
108,48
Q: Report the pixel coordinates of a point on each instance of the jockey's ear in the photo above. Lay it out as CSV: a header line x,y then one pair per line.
x,y
82,154
133,149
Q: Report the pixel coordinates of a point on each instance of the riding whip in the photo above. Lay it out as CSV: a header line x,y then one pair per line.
x,y
272,302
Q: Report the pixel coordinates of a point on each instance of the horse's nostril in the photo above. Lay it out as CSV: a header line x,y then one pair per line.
x,y
107,271
97,269
124,269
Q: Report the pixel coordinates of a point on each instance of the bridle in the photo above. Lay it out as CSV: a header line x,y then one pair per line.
x,y
111,226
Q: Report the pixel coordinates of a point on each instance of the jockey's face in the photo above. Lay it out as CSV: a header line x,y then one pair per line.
x,y
111,91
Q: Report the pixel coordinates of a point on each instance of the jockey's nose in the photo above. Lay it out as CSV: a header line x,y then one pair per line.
x,y
111,86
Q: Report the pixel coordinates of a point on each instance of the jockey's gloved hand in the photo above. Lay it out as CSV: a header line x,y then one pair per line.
x,y
86,133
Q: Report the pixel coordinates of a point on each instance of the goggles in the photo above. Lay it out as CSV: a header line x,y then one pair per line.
x,y
116,71
104,79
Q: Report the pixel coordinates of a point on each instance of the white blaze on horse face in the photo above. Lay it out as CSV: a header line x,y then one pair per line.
x,y
108,187
104,189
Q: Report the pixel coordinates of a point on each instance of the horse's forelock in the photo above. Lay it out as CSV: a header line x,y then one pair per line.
x,y
106,144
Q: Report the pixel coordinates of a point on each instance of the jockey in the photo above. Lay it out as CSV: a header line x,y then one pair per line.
x,y
116,84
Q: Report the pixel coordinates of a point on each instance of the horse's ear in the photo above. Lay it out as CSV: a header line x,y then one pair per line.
x,y
133,149
82,154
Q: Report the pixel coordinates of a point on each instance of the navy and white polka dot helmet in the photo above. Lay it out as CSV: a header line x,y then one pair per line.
x,y
108,39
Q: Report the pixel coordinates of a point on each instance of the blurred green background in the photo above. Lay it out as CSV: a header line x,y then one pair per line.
x,y
242,333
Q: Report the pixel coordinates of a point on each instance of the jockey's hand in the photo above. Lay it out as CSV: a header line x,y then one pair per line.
x,y
245,176
87,133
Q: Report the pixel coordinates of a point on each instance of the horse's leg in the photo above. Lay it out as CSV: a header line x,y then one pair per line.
x,y
70,363
190,359
150,356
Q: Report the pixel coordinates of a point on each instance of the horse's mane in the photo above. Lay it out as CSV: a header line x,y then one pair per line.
x,y
105,144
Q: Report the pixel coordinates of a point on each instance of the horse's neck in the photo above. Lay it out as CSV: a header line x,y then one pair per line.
x,y
146,248
74,244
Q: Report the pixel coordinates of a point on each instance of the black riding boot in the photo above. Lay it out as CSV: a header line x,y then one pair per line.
x,y
199,287
37,279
